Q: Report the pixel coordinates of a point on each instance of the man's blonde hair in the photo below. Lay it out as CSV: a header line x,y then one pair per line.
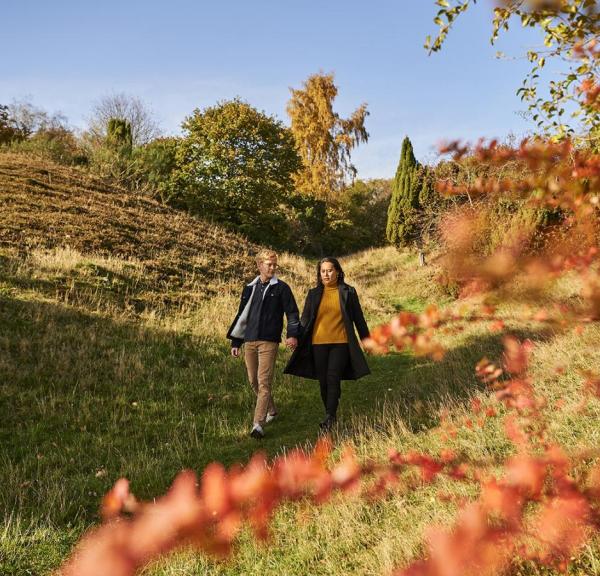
x,y
265,255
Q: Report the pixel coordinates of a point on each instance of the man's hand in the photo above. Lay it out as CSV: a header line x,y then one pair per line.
x,y
291,343
235,352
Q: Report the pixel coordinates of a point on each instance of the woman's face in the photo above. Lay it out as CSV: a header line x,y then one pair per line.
x,y
329,274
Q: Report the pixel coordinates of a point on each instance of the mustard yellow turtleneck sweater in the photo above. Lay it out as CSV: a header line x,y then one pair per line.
x,y
329,324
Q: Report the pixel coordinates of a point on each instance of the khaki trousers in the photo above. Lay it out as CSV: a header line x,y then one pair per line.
x,y
260,362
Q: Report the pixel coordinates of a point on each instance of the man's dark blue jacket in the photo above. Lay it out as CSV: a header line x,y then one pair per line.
x,y
277,301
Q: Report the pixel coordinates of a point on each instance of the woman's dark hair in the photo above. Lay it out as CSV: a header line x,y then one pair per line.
x,y
336,265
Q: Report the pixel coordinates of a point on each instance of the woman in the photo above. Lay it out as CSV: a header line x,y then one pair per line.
x,y
328,349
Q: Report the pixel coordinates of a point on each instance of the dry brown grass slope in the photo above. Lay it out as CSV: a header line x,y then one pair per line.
x,y
47,207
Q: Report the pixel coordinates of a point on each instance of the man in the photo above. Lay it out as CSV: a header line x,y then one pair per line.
x,y
258,326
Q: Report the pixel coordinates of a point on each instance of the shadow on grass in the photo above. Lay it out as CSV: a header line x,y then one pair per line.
x,y
87,399
93,286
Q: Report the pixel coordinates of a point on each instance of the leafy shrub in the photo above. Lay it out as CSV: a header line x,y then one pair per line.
x,y
155,163
355,221
358,220
56,144
118,136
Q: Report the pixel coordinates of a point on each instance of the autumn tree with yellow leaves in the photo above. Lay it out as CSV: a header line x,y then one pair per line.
x,y
324,140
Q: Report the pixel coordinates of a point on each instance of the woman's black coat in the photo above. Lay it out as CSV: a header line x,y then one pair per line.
x,y
301,362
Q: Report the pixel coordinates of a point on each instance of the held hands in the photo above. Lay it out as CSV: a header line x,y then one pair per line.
x,y
290,343
363,345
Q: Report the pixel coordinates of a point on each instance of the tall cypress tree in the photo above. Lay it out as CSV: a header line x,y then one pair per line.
x,y
404,202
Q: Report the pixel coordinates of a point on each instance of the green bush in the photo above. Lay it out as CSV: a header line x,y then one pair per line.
x,y
112,156
154,165
8,132
56,144
119,137
353,222
358,220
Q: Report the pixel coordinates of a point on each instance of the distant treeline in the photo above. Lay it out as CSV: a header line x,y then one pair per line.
x,y
292,187
289,187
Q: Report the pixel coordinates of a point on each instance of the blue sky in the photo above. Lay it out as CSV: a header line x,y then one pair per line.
x,y
184,54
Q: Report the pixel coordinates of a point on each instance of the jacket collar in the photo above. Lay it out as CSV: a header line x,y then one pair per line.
x,y
273,280
341,287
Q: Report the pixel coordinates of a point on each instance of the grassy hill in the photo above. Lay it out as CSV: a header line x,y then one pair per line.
x,y
113,363
138,253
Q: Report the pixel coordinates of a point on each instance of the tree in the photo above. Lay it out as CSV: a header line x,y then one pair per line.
x,y
404,202
144,127
31,130
119,136
235,166
112,156
431,205
324,140
56,144
155,163
23,119
571,29
7,132
428,196
359,219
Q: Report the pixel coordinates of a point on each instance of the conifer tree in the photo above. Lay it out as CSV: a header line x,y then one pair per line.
x,y
119,135
404,202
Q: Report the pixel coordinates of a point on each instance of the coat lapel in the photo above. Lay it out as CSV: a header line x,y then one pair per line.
x,y
343,290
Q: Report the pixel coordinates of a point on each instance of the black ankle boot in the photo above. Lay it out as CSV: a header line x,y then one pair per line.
x,y
328,423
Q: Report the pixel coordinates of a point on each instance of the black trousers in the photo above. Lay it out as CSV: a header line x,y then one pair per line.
x,y
330,362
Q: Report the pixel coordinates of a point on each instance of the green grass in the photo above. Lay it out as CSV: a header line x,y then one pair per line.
x,y
91,393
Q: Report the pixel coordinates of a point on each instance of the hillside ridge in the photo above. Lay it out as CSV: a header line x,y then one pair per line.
x,y
46,206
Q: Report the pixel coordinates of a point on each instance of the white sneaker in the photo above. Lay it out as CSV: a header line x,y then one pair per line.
x,y
257,432
270,418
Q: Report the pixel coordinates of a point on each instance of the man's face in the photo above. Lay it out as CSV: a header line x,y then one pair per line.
x,y
267,268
